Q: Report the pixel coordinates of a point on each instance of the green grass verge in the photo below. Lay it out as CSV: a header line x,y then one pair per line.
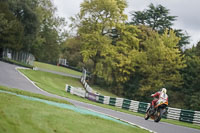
x,y
26,93
19,115
56,83
50,82
56,68
69,71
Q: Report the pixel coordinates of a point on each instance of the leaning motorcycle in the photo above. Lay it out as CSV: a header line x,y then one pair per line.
x,y
158,111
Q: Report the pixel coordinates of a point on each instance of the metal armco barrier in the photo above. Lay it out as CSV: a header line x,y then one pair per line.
x,y
106,100
92,96
100,99
119,102
196,117
68,88
126,104
142,108
135,106
187,116
112,101
76,91
89,89
173,113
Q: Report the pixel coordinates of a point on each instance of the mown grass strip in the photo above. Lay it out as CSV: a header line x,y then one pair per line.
x,y
21,116
65,106
56,68
26,93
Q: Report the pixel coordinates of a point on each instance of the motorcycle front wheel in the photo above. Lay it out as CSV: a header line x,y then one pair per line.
x,y
158,116
146,117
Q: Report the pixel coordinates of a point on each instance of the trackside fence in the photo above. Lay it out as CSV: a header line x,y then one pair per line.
x,y
131,105
20,56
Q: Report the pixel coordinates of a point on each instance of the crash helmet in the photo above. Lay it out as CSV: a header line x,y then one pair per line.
x,y
164,90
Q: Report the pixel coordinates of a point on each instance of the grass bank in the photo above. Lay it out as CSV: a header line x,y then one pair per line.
x,y
19,115
56,68
69,71
55,84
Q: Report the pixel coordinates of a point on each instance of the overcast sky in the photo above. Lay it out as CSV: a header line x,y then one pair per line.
x,y
187,12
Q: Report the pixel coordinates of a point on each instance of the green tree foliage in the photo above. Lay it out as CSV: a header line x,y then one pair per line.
x,y
197,51
97,18
71,51
158,18
47,47
120,60
160,66
108,41
24,11
11,30
163,62
184,38
32,26
48,50
191,78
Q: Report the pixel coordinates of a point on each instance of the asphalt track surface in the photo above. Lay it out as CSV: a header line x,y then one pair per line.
x,y
10,77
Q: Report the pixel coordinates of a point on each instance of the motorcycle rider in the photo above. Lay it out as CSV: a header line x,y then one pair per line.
x,y
161,95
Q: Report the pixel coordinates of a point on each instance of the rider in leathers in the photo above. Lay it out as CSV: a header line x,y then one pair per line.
x,y
160,94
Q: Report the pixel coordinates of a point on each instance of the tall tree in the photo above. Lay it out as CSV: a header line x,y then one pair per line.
x,y
164,61
11,30
197,51
24,11
191,78
161,65
47,45
96,19
158,18
184,38
71,51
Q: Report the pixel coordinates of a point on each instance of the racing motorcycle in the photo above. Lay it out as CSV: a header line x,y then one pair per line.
x,y
158,111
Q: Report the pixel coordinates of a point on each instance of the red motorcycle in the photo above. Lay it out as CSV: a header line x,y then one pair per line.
x,y
158,111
